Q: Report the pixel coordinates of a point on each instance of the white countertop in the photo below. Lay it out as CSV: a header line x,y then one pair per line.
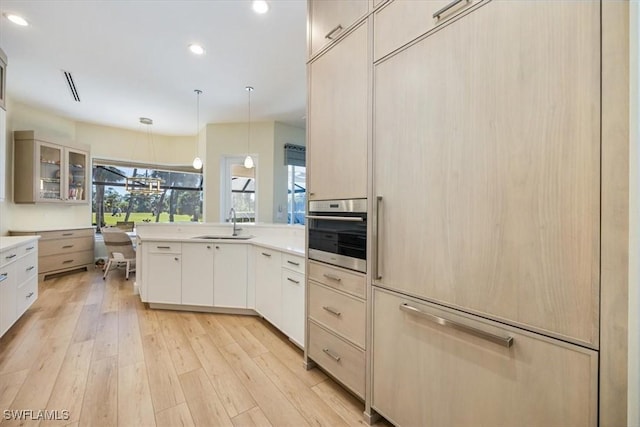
x,y
8,242
38,229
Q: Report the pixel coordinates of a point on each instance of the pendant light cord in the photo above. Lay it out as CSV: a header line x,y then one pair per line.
x,y
249,89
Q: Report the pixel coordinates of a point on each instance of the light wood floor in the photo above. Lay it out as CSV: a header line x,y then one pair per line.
x,y
91,347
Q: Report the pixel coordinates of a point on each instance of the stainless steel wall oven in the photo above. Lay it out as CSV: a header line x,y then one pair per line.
x,y
338,232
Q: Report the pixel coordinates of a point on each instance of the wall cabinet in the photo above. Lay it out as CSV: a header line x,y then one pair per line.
x,y
338,118
330,19
49,172
498,153
18,281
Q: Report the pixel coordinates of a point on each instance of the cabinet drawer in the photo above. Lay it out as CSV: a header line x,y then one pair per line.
x,y
58,246
7,256
293,262
342,313
416,17
28,248
65,234
64,261
341,359
27,267
450,376
330,19
165,247
344,280
26,295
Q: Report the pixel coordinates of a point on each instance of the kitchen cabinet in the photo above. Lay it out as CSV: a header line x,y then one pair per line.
x,y
49,172
328,20
488,163
3,154
18,281
293,296
3,80
164,281
426,372
230,275
338,119
268,284
62,250
197,274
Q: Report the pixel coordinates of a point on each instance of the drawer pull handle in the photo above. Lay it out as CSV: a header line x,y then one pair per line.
x,y
30,295
266,254
496,339
378,273
439,13
163,247
67,246
336,218
176,258
297,282
30,248
10,256
3,277
67,261
67,234
293,263
331,33
332,277
332,310
30,268
331,354
208,246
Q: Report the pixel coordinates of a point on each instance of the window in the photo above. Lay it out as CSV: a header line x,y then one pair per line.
x,y
180,199
239,190
295,159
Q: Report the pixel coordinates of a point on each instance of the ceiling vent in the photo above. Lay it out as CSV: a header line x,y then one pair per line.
x,y
71,85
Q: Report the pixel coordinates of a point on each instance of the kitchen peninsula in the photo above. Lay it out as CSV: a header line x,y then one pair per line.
x,y
202,267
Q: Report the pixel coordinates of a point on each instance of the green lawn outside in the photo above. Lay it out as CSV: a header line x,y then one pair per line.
x,y
139,217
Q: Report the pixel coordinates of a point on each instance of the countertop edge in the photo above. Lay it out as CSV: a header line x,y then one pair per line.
x,y
10,242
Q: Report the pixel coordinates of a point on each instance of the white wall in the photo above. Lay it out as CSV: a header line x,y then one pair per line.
x,y
284,134
633,417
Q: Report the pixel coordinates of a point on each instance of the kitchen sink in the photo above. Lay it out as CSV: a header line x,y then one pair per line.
x,y
223,237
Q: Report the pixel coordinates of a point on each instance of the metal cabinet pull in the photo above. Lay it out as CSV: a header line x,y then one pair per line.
x,y
332,310
496,339
439,13
266,254
67,261
163,247
297,282
176,258
331,33
336,218
3,277
30,268
67,246
67,234
293,263
378,273
30,295
331,354
332,277
10,256
31,248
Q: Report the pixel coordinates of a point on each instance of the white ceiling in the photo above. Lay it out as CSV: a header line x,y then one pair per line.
x,y
130,59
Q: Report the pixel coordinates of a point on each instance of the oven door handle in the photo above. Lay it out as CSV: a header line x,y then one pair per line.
x,y
336,218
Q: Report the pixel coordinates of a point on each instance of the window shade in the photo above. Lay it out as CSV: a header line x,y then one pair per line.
x,y
295,155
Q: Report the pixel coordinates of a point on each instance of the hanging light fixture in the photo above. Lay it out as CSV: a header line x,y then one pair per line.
x,y
144,185
248,161
197,161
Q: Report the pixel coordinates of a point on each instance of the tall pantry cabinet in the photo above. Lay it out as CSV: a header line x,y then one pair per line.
x,y
498,195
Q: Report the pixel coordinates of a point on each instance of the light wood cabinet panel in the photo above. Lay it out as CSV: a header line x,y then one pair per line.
x,y
416,17
337,120
428,374
197,274
268,285
329,19
490,177
339,278
230,275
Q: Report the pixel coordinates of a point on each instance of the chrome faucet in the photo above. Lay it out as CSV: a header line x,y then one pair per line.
x,y
232,216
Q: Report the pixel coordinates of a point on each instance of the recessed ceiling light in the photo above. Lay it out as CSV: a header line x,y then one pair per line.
x,y
197,49
260,6
17,19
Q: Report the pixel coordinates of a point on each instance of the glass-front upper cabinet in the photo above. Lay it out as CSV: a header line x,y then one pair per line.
x,y
49,172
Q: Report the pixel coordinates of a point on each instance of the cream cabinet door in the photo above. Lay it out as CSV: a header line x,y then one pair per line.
x,y
230,275
268,285
197,274
427,374
165,278
337,121
329,19
487,154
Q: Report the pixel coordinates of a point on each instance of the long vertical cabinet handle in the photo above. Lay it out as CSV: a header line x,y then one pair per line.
x,y
378,272
496,339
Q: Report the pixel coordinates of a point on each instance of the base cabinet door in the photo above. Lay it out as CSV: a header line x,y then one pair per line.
x,y
293,305
164,279
197,274
8,290
268,286
230,275
428,374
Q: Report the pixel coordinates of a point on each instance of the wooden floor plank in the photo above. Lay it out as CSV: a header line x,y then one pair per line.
x,y
100,404
216,331
278,410
164,384
16,334
210,356
242,336
26,353
148,321
253,417
87,323
203,401
190,325
183,357
135,406
9,385
130,350
178,415
106,342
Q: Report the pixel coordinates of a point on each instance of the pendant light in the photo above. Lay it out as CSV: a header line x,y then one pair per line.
x,y
197,161
145,185
248,161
